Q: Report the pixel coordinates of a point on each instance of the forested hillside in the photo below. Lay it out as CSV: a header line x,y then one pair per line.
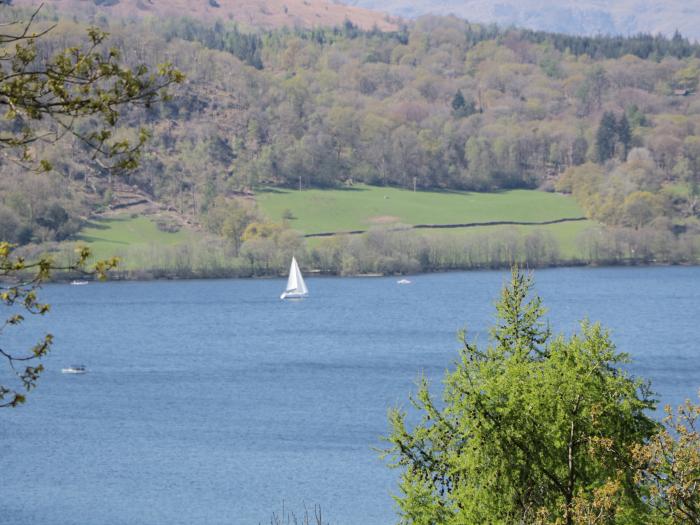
x,y
441,104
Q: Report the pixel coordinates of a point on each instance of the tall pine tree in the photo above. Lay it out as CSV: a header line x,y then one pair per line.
x,y
458,101
462,107
624,135
606,136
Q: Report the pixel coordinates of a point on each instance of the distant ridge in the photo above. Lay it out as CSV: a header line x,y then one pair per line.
x,y
256,13
581,17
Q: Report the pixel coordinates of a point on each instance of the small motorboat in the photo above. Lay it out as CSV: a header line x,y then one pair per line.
x,y
79,283
403,281
74,369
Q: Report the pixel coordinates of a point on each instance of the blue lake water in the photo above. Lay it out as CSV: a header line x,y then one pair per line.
x,y
212,402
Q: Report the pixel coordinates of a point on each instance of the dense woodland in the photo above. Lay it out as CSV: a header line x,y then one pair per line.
x,y
442,103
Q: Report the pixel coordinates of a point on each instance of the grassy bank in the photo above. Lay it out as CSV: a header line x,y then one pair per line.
x,y
567,235
122,234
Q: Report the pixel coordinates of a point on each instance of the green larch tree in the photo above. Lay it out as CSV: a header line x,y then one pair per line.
x,y
530,429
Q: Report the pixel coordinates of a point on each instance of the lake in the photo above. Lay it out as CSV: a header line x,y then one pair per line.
x,y
213,402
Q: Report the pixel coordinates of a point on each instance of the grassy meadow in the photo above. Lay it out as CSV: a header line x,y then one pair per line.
x,y
143,246
361,207
116,235
566,234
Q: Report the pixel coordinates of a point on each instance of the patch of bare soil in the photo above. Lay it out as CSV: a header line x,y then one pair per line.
x,y
130,200
383,219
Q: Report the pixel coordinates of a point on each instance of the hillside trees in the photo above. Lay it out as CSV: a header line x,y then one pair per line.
x,y
318,89
335,106
418,99
268,247
688,166
461,107
42,208
606,137
77,91
229,38
230,219
624,135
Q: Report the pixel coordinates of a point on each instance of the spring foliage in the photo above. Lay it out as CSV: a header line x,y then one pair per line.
x,y
77,91
532,428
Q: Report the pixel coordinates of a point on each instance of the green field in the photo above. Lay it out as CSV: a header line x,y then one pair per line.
x,y
139,242
360,208
566,234
112,236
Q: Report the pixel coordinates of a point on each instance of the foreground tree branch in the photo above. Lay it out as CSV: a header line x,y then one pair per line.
x,y
45,98
79,91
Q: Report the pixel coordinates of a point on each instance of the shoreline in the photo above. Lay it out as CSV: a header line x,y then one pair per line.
x,y
147,275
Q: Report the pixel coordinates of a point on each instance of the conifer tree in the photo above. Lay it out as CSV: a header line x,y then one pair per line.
x,y
461,107
624,135
606,136
531,429
458,101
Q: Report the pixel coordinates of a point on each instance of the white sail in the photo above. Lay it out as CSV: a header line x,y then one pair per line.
x,y
293,281
296,287
301,285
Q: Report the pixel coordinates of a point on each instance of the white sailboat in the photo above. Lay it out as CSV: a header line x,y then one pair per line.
x,y
296,287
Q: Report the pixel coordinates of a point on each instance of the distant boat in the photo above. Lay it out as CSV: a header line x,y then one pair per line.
x,y
74,369
403,281
296,287
79,283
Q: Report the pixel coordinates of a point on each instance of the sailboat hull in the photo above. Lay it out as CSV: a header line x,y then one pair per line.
x,y
293,295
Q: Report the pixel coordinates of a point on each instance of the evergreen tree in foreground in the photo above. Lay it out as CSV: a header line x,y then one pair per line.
x,y
531,429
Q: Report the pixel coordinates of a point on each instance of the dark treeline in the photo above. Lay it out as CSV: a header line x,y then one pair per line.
x,y
643,45
247,45
385,252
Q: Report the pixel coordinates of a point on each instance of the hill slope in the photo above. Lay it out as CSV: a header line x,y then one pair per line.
x,y
443,105
585,17
257,13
